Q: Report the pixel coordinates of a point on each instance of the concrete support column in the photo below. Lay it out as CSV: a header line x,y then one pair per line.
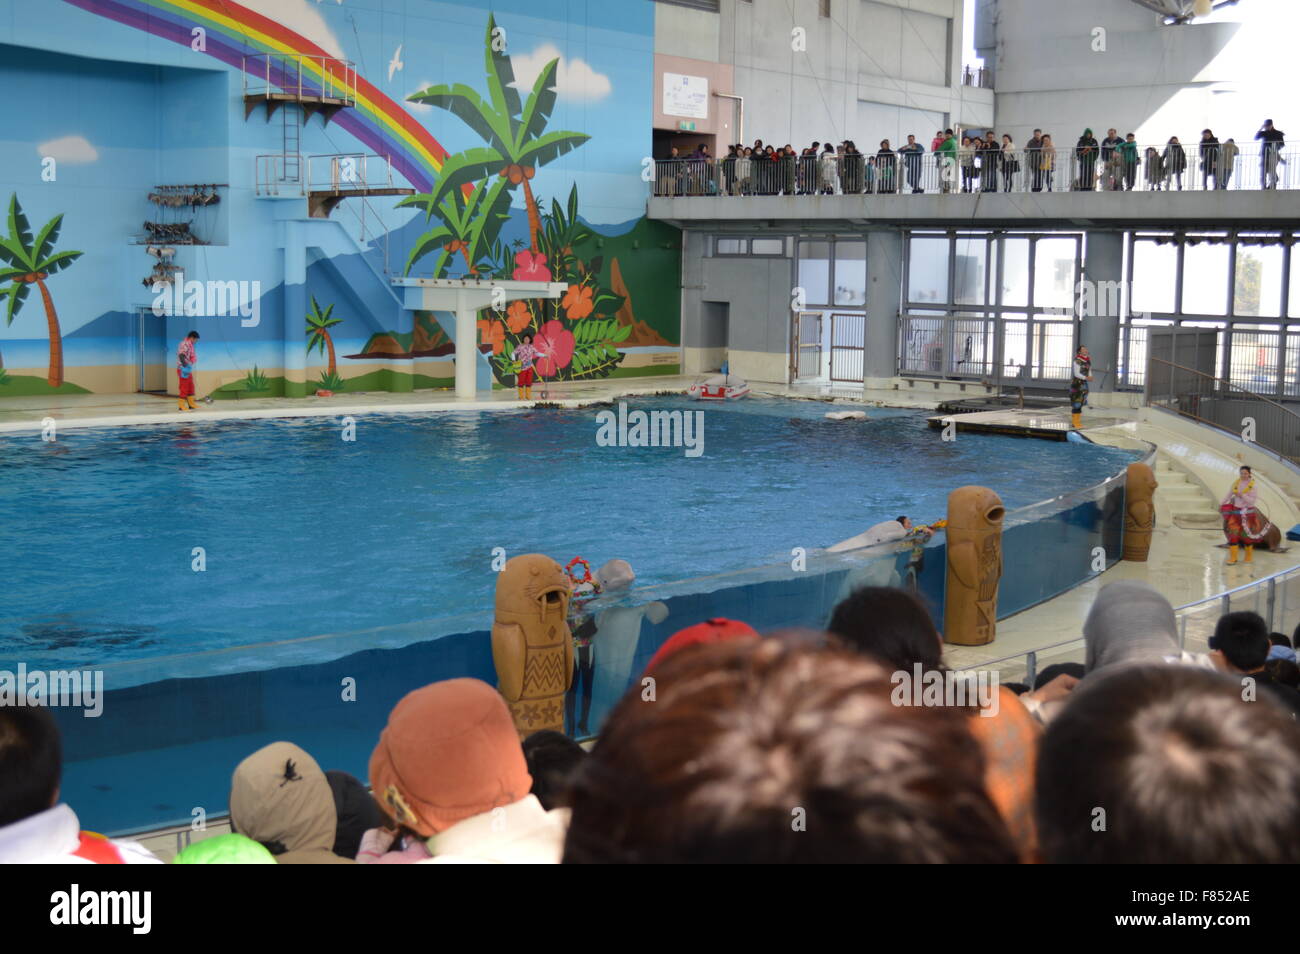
x,y
466,347
884,292
295,310
1099,304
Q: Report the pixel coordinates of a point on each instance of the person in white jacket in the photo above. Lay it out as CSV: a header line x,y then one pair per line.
x,y
889,531
35,827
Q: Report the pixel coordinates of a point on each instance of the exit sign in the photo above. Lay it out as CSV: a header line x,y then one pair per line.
x,y
687,125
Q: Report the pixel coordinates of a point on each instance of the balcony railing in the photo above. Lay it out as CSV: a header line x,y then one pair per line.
x,y
300,76
1227,406
1017,170
979,76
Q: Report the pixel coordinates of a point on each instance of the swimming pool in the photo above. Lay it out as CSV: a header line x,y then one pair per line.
x,y
137,543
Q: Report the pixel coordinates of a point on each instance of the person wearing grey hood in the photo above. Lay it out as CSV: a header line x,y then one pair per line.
x,y
1129,623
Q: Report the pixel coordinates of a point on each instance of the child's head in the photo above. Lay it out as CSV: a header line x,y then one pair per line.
x,y
526,338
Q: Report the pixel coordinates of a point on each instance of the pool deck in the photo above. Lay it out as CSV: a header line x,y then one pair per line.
x,y
1194,468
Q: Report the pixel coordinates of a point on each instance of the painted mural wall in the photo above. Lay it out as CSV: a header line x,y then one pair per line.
x,y
157,185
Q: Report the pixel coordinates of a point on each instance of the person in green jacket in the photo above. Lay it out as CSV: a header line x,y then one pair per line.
x,y
947,152
1128,151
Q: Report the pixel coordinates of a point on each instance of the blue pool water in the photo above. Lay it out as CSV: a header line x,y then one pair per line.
x,y
306,534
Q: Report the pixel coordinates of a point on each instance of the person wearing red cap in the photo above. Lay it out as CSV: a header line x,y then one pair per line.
x,y
450,773
710,631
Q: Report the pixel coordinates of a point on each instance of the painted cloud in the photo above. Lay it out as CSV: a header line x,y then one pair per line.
x,y
574,79
69,149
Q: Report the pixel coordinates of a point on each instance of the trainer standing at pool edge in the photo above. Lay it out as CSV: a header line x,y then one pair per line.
x,y
1079,379
186,358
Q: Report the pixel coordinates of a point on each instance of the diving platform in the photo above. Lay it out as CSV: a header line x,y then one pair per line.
x,y
321,202
1050,424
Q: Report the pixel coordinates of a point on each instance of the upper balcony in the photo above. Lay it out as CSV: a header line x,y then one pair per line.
x,y
1256,188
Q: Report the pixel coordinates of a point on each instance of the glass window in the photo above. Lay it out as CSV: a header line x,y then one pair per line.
x,y
1257,288
767,246
815,272
1205,279
1015,345
969,271
927,269
850,273
1054,268
1015,272
1293,301
730,246
1153,277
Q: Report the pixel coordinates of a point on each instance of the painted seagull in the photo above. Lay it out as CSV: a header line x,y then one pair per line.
x,y
395,63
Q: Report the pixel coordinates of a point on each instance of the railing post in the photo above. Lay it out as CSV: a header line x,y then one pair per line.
x,y
1182,632
1227,604
1031,668
1272,600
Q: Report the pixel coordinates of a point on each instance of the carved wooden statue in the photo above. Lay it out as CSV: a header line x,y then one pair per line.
x,y
531,644
1139,511
970,609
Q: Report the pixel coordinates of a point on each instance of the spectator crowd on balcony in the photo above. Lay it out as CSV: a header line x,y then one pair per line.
x,y
969,162
792,747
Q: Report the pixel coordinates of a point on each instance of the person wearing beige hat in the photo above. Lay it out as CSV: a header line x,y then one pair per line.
x,y
449,770
280,797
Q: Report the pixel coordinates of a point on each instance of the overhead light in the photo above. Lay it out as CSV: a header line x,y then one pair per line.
x,y
1202,8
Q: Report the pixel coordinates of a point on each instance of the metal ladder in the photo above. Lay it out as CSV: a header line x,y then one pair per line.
x,y
291,139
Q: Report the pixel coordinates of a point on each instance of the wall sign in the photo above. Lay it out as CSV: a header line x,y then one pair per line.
x,y
686,96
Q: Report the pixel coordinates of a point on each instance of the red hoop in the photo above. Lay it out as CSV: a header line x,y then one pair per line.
x,y
586,577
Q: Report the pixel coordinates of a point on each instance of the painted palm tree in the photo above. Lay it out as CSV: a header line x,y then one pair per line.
x,y
318,336
514,131
30,262
470,225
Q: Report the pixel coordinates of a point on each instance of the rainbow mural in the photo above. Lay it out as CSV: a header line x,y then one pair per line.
x,y
234,32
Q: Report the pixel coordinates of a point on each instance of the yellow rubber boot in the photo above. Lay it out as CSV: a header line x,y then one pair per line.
x,y
1076,420
1232,554
1250,549
190,398
180,404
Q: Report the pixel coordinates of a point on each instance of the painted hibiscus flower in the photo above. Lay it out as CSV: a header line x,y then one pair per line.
x,y
518,317
530,267
493,333
577,302
555,346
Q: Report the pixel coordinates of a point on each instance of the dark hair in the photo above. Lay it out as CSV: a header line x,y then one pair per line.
x,y
527,335
890,624
1074,669
1246,468
357,812
194,335
764,752
1284,672
1185,771
31,761
552,759
1280,639
1243,640
901,518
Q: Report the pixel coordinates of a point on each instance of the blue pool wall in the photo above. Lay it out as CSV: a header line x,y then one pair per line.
x,y
162,749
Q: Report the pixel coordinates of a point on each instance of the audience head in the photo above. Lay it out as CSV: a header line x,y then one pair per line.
x,y
1241,641
889,624
231,848
713,630
31,762
1184,770
552,759
1280,639
449,752
280,797
1284,672
759,752
356,810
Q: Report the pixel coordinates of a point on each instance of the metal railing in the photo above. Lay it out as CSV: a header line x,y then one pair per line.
x,y
1224,405
278,174
977,171
302,76
1270,597
978,76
